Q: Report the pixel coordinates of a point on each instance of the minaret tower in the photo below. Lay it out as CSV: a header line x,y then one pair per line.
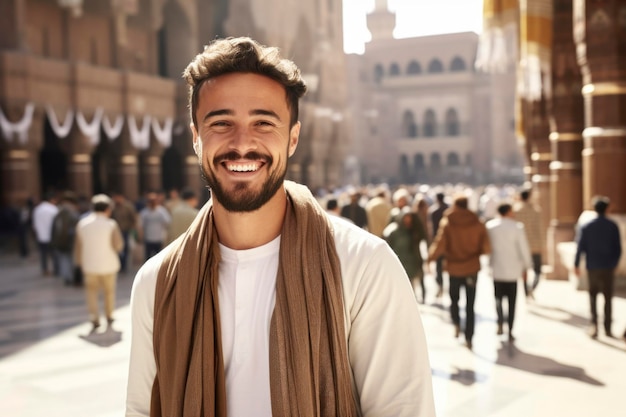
x,y
381,22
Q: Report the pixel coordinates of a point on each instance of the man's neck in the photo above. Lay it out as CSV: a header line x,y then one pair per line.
x,y
249,230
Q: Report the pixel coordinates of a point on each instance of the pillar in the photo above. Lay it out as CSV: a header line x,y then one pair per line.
x,y
537,131
127,176
567,123
19,161
601,40
79,173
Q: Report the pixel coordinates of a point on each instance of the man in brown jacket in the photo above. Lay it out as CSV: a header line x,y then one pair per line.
x,y
461,239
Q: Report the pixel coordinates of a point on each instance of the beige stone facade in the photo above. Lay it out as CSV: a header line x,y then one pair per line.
x,y
422,114
92,99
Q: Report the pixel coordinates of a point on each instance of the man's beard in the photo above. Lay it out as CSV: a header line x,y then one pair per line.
x,y
242,198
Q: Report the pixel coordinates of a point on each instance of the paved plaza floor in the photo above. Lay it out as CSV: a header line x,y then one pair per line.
x,y
51,367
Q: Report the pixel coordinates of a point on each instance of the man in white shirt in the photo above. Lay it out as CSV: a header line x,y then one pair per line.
x,y
98,244
509,259
43,216
268,306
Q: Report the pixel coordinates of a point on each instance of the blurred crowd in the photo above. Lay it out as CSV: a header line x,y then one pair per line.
x,y
437,231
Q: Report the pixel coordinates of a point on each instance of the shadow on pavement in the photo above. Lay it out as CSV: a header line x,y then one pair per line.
x,y
105,339
510,355
466,377
558,314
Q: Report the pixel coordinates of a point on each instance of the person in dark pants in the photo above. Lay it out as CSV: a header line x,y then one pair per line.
x,y
529,215
510,259
43,216
125,214
436,214
354,211
599,241
461,239
24,227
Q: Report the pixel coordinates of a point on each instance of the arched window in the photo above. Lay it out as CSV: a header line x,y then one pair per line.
x,y
453,159
435,66
379,73
418,162
457,64
452,123
430,123
409,127
405,172
413,68
394,70
435,160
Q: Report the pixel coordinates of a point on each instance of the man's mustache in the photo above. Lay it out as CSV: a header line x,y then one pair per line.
x,y
234,156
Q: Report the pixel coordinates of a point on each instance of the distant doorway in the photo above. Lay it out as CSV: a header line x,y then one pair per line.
x,y
52,162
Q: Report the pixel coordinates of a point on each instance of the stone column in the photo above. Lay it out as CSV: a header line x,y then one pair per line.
x,y
19,162
601,39
127,176
538,145
79,169
567,117
192,178
16,167
79,173
150,168
150,172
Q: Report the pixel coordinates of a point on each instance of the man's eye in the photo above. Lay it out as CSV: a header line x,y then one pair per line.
x,y
220,123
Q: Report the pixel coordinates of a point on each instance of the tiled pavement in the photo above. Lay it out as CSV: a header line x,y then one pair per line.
x,y
50,367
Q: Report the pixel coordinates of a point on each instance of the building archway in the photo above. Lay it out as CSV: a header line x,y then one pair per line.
x,y
53,162
172,169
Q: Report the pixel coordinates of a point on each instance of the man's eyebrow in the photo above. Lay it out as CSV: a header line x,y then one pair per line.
x,y
263,112
255,112
220,112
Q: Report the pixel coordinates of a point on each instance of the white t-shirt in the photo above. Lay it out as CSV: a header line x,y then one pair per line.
x,y
386,344
43,216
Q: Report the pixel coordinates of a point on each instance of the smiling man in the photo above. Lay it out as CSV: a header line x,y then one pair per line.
x,y
267,306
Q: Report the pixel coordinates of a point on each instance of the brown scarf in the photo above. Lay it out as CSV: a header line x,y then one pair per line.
x,y
309,369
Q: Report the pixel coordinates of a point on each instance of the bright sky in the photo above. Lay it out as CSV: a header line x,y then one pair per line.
x,y
413,18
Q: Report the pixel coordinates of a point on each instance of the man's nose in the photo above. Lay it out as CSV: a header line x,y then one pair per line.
x,y
243,141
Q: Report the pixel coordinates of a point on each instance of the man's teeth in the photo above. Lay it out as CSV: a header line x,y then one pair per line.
x,y
242,168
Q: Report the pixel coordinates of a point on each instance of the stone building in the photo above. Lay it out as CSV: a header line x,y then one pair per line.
x,y
571,118
422,114
91,97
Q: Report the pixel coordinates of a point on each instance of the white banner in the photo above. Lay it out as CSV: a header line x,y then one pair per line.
x,y
20,128
112,131
163,134
61,130
91,130
139,138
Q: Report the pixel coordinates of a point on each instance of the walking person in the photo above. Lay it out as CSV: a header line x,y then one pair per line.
x,y
154,220
98,244
25,213
509,260
404,235
377,210
530,216
43,216
461,239
125,214
269,306
183,214
64,235
600,243
436,212
354,211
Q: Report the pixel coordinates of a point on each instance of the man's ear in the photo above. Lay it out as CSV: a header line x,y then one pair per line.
x,y
294,136
194,133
